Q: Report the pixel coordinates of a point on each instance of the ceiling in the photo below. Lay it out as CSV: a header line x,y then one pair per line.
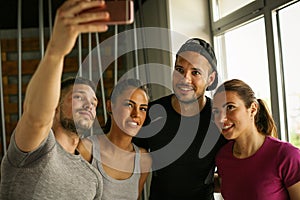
x,y
30,14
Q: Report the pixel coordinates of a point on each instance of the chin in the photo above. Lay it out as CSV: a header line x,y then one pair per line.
x,y
228,136
84,123
83,126
186,100
132,134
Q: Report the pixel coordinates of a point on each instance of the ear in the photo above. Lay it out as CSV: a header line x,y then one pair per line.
x,y
211,78
108,107
253,108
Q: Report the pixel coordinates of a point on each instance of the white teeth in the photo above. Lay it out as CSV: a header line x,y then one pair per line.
x,y
226,127
133,123
185,88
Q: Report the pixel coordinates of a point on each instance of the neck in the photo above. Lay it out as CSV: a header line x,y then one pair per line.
x,y
189,108
122,141
68,140
248,146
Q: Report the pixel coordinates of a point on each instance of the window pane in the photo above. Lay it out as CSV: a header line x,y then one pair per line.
x,y
289,18
225,7
246,57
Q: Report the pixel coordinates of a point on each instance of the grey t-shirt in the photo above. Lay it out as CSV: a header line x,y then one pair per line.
x,y
49,172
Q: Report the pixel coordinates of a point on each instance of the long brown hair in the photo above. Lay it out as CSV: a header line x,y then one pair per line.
x,y
264,121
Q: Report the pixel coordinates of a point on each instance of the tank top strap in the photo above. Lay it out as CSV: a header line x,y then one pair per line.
x,y
136,159
96,147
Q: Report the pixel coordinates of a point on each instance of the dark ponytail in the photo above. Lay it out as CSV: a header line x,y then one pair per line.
x,y
264,121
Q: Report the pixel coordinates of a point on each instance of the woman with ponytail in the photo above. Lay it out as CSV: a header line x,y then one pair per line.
x,y
254,164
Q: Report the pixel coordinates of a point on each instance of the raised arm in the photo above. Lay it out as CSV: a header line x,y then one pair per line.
x,y
43,91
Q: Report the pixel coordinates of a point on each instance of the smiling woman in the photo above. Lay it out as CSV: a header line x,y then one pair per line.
x,y
247,123
123,165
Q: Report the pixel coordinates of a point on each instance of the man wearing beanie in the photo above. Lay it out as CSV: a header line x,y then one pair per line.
x,y
179,133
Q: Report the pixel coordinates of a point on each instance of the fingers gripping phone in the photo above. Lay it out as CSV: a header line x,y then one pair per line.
x,y
120,12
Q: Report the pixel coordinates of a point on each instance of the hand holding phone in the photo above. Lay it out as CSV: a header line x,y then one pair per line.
x,y
120,12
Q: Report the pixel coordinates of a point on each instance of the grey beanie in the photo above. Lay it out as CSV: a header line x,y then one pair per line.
x,y
203,48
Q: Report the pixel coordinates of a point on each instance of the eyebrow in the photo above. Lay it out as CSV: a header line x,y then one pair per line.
x,y
229,103
197,69
194,68
84,92
135,102
223,105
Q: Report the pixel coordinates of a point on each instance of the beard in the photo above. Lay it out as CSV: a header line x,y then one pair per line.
x,y
188,101
70,125
191,100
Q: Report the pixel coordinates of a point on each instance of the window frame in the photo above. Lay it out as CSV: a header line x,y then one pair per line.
x,y
268,9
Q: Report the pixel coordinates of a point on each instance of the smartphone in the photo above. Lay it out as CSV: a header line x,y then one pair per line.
x,y
120,12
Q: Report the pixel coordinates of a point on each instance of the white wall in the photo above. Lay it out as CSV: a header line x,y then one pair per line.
x,y
190,17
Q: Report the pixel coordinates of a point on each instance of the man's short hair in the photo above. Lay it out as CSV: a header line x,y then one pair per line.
x,y
70,81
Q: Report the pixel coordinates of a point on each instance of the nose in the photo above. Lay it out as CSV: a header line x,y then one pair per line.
x,y
222,117
88,105
187,76
135,112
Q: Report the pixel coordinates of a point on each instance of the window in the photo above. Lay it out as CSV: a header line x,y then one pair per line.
x,y
246,57
225,7
289,32
257,41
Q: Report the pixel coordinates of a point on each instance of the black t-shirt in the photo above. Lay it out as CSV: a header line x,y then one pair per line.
x,y
183,165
